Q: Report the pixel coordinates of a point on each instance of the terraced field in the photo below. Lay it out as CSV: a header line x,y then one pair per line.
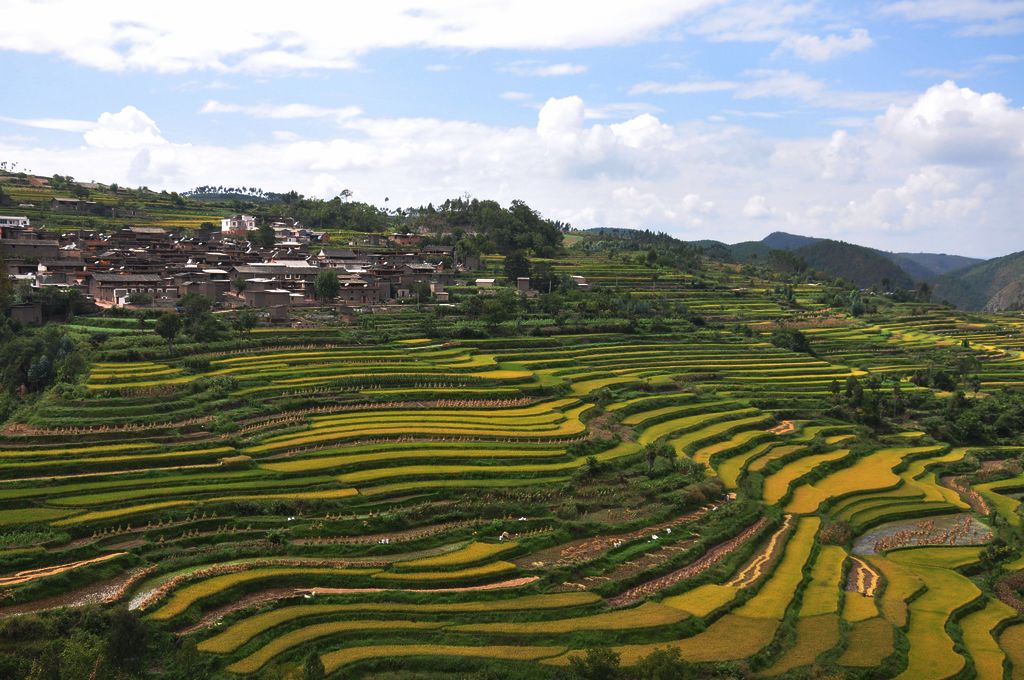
x,y
428,504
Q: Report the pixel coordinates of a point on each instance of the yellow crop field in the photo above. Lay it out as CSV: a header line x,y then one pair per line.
x,y
985,651
334,660
868,643
815,635
243,631
931,649
1012,642
279,645
655,432
704,455
730,468
116,513
775,595
821,596
901,584
474,552
31,515
186,596
857,607
684,441
777,485
729,638
702,600
647,615
873,471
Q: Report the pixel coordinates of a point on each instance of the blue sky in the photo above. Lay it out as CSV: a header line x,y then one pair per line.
x,y
891,123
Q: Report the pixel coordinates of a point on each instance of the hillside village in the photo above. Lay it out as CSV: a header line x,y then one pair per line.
x,y
243,261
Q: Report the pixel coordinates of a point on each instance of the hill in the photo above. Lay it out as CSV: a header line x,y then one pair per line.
x,y
780,240
864,267
927,266
992,285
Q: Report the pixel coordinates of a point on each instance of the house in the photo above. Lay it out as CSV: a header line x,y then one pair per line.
x,y
355,291
13,222
237,224
581,282
34,249
27,314
406,240
74,205
114,288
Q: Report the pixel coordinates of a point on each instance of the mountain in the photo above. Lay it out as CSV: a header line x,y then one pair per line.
x,y
780,240
927,266
864,267
993,285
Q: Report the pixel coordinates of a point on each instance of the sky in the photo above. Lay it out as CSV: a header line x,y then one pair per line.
x,y
891,123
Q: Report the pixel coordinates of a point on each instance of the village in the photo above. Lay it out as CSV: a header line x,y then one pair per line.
x,y
154,267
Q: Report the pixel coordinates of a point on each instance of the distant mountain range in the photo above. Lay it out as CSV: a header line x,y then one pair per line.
x,y
969,283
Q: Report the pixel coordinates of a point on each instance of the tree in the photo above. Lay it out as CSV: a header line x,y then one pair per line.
x,y
244,320
663,664
263,236
239,284
326,286
595,664
140,299
313,668
791,339
167,326
516,265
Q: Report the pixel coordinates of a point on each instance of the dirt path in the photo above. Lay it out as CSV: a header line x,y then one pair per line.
x,y
42,572
103,592
588,549
785,427
702,564
863,579
753,570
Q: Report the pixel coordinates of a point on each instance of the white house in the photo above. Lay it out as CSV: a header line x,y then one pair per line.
x,y
238,224
13,221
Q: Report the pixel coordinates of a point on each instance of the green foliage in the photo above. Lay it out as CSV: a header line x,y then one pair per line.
x,y
313,667
595,664
326,285
167,326
791,339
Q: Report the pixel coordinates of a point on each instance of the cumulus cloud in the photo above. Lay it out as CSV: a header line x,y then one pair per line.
x,y
814,48
757,208
951,124
910,174
129,128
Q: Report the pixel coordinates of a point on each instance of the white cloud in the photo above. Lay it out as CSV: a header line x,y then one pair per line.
x,y
891,184
813,48
752,21
284,111
528,68
261,36
950,124
686,87
59,124
780,84
757,208
514,96
129,128
974,17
